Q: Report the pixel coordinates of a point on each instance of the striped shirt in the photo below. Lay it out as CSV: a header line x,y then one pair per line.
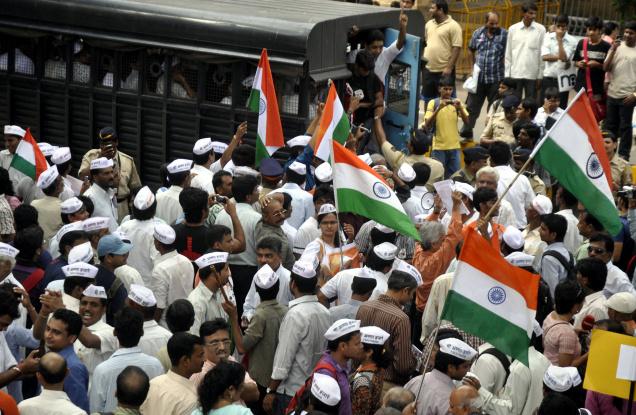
x,y
386,313
489,54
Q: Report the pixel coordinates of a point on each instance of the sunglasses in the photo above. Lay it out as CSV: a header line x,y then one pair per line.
x,y
599,251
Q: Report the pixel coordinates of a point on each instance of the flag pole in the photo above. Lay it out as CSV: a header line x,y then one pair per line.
x,y
519,173
335,198
531,157
428,358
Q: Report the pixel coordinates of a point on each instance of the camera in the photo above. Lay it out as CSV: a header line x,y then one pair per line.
x,y
626,191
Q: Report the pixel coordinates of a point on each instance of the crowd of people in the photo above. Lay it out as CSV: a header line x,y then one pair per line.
x,y
236,288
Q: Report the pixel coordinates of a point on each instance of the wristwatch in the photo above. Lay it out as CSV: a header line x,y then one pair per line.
x,y
269,391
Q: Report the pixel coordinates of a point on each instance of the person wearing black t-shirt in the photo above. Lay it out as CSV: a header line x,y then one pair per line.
x,y
597,50
190,238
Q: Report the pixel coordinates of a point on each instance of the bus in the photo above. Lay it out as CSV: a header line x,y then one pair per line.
x,y
166,73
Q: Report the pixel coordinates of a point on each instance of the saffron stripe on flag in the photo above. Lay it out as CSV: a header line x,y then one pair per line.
x,y
492,264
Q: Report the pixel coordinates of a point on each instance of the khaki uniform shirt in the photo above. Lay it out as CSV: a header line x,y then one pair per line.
x,y
465,174
128,177
621,172
395,158
499,128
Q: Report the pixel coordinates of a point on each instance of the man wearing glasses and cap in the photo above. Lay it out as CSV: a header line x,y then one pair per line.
x,y
124,166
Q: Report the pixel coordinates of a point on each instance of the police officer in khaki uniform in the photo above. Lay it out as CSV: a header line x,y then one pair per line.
x,y
125,169
621,170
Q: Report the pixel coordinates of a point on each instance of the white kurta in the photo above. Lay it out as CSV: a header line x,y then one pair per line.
x,y
105,204
143,252
168,207
171,279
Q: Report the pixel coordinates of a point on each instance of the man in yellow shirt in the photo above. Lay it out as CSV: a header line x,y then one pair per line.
x,y
441,116
443,43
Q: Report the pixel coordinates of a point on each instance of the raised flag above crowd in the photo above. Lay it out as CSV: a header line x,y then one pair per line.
x,y
384,261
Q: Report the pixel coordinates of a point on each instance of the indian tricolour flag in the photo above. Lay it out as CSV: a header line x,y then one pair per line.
x,y
263,101
492,299
334,125
573,152
28,158
359,189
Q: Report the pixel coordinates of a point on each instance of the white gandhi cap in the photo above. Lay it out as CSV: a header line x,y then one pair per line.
x,y
47,177
341,328
80,269
374,335
265,277
81,253
325,389
144,198
71,205
95,291
101,163
457,348
560,379
164,234
142,295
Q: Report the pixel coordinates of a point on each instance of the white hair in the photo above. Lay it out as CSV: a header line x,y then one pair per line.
x,y
487,170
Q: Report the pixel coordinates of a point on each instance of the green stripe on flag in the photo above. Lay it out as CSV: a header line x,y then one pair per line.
x,y
341,131
558,162
350,200
476,320
23,166
261,151
253,102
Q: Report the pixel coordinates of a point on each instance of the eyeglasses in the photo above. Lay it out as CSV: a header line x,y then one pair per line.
x,y
217,343
281,212
599,251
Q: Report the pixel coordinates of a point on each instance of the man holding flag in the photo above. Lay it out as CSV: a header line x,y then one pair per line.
x,y
262,100
24,160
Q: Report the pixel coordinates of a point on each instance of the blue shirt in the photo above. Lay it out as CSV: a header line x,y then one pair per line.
x,y
306,157
342,377
489,54
105,278
76,383
105,375
53,271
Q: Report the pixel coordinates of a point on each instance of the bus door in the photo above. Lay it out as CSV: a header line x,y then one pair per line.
x,y
400,92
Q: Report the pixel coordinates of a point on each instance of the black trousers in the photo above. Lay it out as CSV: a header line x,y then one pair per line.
x,y
474,103
430,83
242,276
526,88
619,121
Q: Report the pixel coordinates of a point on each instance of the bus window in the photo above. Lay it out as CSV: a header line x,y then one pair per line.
x,y
397,93
105,68
129,71
218,84
82,55
183,78
23,50
55,63
153,71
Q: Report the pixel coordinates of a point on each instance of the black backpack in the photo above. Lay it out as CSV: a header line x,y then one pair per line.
x,y
503,359
567,264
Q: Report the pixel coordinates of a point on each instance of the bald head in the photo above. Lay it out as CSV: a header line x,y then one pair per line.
x,y
132,386
398,397
273,213
462,400
52,369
